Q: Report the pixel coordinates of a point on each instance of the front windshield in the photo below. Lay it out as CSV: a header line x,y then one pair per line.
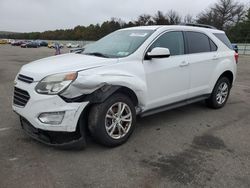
x,y
118,44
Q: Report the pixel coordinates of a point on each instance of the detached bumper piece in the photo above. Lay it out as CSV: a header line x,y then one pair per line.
x,y
63,140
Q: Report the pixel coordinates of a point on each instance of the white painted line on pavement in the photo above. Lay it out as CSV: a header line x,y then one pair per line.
x,y
13,159
4,129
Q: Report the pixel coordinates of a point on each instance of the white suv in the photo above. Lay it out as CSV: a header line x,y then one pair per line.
x,y
133,71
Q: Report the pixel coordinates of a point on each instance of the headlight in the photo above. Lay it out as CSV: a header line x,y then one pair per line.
x,y
56,83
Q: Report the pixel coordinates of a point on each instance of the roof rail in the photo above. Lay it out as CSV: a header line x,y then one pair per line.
x,y
199,25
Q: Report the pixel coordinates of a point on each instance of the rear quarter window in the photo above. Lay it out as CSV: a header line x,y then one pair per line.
x,y
212,46
223,38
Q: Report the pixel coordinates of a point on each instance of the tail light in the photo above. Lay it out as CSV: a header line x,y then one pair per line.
x,y
236,56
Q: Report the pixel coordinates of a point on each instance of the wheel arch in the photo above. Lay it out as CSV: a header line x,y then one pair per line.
x,y
106,91
100,96
130,93
219,73
225,67
228,74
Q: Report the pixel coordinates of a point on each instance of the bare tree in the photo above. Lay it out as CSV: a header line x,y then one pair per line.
x,y
118,20
208,17
144,19
173,17
223,14
188,19
160,19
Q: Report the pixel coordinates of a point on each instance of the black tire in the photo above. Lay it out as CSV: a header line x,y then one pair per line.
x,y
97,120
212,100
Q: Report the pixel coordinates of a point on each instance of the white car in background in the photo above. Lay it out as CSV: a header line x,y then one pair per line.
x,y
70,45
11,41
134,71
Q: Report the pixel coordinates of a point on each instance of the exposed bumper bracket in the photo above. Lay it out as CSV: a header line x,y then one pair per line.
x,y
63,140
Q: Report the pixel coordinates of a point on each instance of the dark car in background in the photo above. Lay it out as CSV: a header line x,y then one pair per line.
x,y
42,43
18,43
30,45
24,43
235,47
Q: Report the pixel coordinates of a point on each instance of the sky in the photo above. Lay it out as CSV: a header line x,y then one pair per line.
x,y
42,15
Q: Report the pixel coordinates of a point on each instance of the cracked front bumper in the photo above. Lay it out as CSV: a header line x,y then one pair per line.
x,y
64,140
66,133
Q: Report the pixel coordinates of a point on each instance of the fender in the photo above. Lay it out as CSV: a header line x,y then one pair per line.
x,y
223,66
95,86
98,96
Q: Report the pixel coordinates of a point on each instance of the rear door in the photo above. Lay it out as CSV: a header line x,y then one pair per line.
x,y
202,58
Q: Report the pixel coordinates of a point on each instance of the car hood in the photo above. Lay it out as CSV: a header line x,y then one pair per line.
x,y
63,63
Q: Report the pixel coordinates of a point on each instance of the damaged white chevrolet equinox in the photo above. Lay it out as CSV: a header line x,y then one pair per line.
x,y
135,71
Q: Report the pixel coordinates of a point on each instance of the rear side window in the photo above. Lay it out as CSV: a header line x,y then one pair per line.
x,y
223,38
197,42
173,40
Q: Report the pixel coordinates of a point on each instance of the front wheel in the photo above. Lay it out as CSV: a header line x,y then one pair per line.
x,y
113,121
220,93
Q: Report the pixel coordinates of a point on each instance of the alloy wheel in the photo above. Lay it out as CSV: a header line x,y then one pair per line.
x,y
118,120
222,93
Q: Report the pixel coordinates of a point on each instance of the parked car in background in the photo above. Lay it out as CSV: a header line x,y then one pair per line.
x,y
133,71
235,47
70,45
3,41
18,43
76,50
44,43
52,45
10,41
32,44
24,45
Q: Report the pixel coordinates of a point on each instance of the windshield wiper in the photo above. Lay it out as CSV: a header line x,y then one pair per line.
x,y
98,54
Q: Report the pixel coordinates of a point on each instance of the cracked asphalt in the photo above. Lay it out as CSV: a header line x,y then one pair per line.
x,y
192,146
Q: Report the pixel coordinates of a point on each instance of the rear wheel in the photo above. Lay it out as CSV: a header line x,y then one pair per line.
x,y
220,93
113,121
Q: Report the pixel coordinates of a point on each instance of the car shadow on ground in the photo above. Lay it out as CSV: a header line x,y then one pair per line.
x,y
154,121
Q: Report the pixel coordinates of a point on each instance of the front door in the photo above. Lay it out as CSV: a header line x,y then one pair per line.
x,y
168,79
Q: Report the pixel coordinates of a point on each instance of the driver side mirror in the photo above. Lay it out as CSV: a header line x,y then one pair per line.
x,y
158,52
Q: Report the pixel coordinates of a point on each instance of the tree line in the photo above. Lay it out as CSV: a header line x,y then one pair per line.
x,y
228,15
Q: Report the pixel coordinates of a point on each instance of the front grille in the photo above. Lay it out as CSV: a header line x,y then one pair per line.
x,y
21,97
25,78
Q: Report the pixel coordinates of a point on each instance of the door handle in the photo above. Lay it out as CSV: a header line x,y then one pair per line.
x,y
184,63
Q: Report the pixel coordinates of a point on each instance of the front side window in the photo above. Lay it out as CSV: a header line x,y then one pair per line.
x,y
121,43
197,42
172,40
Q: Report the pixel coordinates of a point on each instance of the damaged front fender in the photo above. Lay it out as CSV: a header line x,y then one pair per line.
x,y
98,96
96,88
